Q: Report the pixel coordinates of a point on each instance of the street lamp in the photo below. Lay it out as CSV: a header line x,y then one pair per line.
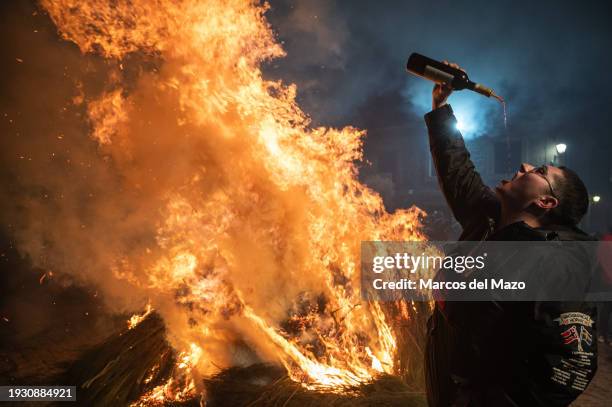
x,y
561,147
596,198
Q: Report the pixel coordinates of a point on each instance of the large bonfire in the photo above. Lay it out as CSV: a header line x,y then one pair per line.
x,y
257,242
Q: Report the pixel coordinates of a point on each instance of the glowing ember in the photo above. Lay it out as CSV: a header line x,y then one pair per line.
x,y
258,236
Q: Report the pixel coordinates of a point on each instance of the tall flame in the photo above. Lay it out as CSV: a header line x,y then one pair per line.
x,y
259,234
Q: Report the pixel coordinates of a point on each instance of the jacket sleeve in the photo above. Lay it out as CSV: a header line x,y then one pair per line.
x,y
465,192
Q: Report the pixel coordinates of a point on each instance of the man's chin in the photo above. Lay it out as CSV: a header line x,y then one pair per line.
x,y
500,187
500,190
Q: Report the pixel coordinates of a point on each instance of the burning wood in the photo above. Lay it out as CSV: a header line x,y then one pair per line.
x,y
264,385
126,366
138,368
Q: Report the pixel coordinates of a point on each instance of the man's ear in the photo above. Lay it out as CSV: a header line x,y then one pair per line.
x,y
547,202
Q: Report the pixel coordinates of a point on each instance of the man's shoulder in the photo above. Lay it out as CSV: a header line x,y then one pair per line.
x,y
570,233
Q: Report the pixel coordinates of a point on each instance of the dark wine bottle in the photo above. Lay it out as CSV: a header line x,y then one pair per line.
x,y
438,72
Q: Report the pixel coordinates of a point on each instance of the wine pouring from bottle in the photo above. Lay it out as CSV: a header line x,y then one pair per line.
x,y
438,72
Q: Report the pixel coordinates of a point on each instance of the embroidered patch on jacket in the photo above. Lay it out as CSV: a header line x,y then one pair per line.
x,y
571,335
575,371
571,318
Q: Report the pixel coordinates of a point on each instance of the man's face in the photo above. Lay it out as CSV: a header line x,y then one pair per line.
x,y
530,185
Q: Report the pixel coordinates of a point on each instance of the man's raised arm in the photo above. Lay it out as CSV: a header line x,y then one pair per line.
x,y
467,195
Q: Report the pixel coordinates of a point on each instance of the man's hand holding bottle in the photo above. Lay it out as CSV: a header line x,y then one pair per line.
x,y
442,91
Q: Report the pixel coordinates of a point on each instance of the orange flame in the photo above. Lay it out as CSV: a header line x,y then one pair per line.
x,y
138,318
262,214
180,387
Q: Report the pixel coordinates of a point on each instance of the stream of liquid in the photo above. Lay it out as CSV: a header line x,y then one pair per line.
x,y
503,102
508,157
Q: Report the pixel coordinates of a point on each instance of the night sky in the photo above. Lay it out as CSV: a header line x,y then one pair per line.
x,y
550,60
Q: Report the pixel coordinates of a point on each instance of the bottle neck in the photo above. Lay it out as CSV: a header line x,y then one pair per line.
x,y
483,90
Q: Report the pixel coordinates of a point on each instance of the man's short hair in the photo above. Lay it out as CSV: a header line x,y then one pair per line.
x,y
573,198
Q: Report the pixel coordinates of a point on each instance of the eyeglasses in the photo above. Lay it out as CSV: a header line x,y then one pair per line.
x,y
542,171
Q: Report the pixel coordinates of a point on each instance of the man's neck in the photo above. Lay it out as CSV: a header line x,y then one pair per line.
x,y
508,218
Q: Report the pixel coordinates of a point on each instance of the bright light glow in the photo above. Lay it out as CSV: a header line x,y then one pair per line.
x,y
467,123
475,114
596,198
561,147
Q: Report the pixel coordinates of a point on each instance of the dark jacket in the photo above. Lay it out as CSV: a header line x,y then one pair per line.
x,y
500,353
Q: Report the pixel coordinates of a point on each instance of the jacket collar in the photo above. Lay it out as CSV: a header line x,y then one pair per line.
x,y
522,231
